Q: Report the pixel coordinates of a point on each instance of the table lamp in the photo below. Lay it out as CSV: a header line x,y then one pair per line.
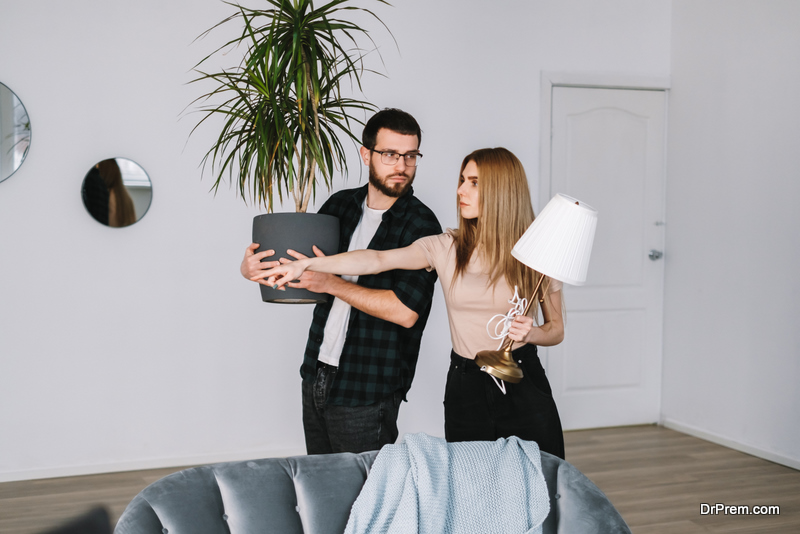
x,y
557,244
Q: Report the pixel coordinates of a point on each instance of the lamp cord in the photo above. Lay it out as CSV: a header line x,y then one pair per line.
x,y
503,322
501,325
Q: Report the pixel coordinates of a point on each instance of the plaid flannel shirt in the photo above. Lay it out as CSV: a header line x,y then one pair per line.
x,y
378,357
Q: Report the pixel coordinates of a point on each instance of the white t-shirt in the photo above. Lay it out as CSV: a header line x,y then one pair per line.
x,y
339,317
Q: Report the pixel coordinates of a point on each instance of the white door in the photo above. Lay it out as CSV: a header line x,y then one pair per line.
x,y
607,150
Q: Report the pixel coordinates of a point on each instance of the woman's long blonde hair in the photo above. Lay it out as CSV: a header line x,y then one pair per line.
x,y
121,212
504,213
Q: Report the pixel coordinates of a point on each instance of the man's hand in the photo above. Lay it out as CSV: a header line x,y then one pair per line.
x,y
252,265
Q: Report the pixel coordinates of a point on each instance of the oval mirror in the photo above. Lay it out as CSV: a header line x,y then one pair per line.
x,y
15,132
116,192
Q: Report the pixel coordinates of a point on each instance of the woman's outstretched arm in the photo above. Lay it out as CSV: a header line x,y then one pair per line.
x,y
356,262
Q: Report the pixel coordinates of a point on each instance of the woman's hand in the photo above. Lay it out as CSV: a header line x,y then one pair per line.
x,y
279,276
311,280
520,328
550,333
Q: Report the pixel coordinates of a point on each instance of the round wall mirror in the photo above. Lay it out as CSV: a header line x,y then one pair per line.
x,y
116,192
15,132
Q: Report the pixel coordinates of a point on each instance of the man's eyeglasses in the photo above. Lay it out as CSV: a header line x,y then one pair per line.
x,y
391,158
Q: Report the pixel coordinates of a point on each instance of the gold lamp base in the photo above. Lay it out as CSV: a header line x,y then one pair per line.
x,y
499,364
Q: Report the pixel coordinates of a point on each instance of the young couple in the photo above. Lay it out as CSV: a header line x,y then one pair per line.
x,y
360,358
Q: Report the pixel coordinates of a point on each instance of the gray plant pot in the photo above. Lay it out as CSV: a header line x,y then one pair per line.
x,y
296,231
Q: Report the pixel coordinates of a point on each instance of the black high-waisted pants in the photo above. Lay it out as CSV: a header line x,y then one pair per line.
x,y
475,409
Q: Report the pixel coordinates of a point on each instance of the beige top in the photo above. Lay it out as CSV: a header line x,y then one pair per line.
x,y
472,302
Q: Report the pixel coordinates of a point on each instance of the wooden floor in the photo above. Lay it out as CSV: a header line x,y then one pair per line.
x,y
657,479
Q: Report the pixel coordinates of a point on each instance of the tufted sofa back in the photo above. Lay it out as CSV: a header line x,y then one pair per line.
x,y
314,494
282,495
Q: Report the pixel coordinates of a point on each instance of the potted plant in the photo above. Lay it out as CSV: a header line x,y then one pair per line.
x,y
284,114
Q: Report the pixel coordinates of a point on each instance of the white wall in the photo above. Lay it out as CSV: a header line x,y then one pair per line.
x,y
731,343
142,346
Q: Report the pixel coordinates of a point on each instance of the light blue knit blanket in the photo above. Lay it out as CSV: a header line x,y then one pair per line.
x,y
428,486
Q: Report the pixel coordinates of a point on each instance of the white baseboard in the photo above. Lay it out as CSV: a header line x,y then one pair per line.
x,y
153,463
794,463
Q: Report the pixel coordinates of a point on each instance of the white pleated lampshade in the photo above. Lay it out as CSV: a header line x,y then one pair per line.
x,y
559,241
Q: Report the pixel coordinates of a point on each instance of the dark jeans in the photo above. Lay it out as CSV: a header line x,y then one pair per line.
x,y
330,428
476,410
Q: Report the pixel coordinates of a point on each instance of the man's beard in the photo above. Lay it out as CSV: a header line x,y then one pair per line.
x,y
390,190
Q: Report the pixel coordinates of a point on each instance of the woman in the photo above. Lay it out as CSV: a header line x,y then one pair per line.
x,y
478,277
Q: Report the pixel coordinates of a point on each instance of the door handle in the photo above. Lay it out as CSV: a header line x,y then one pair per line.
x,y
655,254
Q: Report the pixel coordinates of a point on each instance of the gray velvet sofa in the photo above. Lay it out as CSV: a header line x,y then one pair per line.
x,y
314,494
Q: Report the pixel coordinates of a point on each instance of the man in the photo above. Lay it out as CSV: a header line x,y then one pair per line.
x,y
364,342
